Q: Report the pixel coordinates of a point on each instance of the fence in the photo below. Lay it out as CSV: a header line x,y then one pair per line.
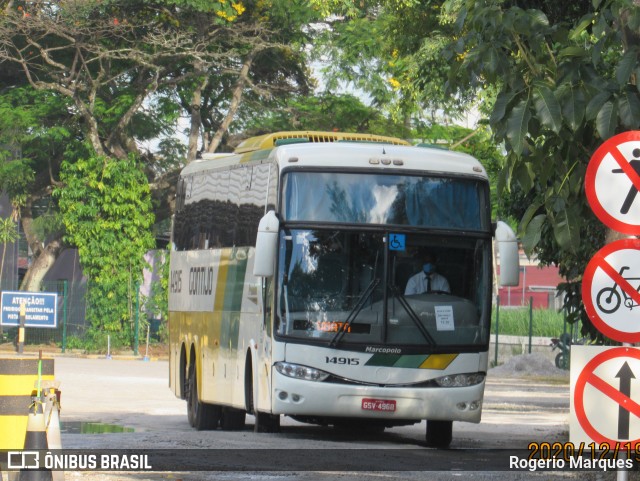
x,y
526,330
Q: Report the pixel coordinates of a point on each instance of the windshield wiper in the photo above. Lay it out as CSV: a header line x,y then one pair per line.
x,y
397,294
354,312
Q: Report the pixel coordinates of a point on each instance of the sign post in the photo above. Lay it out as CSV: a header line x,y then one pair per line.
x,y
611,293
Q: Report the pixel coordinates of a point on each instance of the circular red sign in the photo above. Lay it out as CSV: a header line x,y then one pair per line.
x,y
604,209
581,383
598,316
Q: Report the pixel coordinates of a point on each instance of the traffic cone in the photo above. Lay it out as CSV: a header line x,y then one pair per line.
x,y
52,416
35,439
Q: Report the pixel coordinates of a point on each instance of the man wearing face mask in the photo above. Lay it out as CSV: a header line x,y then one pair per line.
x,y
427,280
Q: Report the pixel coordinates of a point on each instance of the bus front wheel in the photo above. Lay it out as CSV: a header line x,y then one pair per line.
x,y
266,423
439,434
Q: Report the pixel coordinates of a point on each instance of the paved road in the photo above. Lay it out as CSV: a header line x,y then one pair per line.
x,y
135,394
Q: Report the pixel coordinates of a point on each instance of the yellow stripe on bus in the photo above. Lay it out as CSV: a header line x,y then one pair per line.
x,y
438,361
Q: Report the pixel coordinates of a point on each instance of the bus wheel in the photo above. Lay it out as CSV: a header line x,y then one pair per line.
x,y
266,423
232,419
201,416
439,434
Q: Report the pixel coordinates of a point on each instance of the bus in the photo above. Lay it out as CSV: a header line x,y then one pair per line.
x,y
289,267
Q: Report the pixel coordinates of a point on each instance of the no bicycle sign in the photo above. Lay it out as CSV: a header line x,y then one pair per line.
x,y
610,290
612,182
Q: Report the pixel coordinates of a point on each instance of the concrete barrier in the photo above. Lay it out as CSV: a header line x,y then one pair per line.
x,y
18,377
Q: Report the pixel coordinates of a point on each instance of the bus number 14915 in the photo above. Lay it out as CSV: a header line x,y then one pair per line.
x,y
347,361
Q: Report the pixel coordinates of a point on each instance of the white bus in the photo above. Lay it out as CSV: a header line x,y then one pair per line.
x,y
289,265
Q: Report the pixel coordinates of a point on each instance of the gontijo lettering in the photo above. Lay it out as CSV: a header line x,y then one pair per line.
x,y
200,280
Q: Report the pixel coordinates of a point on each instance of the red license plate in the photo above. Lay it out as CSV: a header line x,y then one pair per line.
x,y
384,405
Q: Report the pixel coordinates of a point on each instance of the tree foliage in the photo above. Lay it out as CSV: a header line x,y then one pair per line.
x,y
564,86
95,79
108,215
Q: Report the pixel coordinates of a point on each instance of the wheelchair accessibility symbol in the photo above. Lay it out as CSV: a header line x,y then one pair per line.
x,y
397,242
611,290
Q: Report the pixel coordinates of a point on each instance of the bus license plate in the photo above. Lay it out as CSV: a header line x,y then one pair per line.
x,y
385,405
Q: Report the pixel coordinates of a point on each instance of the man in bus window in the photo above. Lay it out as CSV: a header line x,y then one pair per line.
x,y
427,280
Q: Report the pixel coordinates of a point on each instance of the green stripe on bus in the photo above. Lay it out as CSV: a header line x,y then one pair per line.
x,y
383,360
221,282
410,361
235,284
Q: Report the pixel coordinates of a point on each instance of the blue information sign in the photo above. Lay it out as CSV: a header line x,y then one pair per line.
x,y
397,242
40,308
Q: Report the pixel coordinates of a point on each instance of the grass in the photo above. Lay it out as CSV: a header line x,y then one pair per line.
x,y
515,322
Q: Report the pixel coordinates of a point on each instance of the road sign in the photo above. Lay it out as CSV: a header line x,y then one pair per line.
x,y
604,383
612,182
610,287
41,308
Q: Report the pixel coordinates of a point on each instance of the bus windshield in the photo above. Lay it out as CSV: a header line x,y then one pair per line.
x,y
346,286
435,202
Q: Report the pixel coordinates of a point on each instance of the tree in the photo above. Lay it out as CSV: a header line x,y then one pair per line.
x,y
116,71
105,205
564,86
381,49
555,79
38,132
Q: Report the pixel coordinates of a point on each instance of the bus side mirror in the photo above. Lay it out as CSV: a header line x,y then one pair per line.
x,y
266,245
507,245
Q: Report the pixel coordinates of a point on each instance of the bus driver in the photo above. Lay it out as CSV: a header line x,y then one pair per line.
x,y
427,280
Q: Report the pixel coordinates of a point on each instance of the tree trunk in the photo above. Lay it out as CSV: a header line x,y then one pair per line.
x,y
38,269
43,256
196,119
234,105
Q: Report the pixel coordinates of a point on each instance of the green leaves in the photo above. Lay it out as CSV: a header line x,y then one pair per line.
x,y
518,126
108,215
547,108
607,120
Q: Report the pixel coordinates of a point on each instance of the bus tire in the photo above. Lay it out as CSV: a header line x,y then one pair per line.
x,y
202,416
439,434
266,423
232,419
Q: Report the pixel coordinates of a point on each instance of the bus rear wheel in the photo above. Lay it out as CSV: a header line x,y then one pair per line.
x,y
439,434
202,416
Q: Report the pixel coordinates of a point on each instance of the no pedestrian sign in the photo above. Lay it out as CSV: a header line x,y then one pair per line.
x,y
610,287
605,382
612,182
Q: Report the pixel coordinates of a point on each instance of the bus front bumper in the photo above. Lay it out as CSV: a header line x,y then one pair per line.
x,y
297,397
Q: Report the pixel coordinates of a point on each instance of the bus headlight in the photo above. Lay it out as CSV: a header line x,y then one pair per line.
x,y
460,380
297,371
